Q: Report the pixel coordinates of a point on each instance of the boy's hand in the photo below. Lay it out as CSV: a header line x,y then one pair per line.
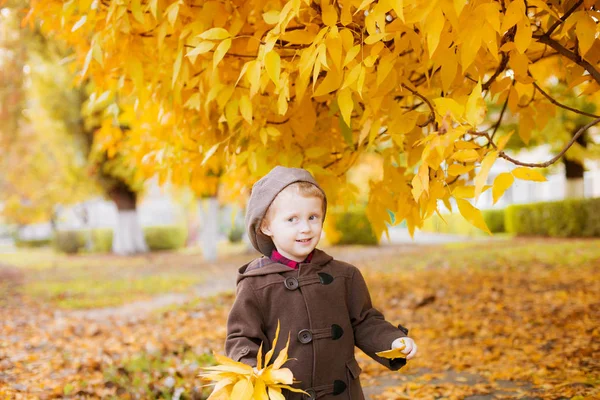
x,y
410,347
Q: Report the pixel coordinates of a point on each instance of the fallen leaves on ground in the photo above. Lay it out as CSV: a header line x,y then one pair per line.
x,y
46,353
520,311
512,318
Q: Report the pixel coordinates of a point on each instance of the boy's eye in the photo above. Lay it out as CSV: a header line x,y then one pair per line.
x,y
291,219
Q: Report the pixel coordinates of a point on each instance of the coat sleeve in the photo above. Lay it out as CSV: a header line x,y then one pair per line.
x,y
372,333
245,326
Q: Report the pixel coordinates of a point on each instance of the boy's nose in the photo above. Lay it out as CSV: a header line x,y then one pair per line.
x,y
305,227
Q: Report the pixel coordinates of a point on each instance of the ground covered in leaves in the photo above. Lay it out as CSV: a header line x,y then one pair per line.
x,y
498,319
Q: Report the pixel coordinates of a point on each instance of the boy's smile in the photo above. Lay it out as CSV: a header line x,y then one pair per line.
x,y
294,223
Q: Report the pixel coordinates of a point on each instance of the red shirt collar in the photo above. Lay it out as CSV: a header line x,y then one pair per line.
x,y
277,257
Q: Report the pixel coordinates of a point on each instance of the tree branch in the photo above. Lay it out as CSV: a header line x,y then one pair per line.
x,y
502,154
501,67
563,18
229,54
285,121
471,78
553,101
543,57
413,107
571,56
431,117
510,35
423,77
530,100
497,125
333,162
456,178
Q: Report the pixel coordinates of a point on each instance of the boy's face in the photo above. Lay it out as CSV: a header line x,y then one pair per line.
x,y
294,223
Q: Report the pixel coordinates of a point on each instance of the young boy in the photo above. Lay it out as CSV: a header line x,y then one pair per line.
x,y
323,303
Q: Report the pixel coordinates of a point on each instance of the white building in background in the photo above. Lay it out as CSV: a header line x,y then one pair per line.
x,y
157,208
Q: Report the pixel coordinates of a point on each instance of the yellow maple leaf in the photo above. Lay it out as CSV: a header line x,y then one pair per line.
x,y
472,215
502,182
394,353
528,174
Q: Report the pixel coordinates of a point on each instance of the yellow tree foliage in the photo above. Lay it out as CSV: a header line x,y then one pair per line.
x,y
231,88
42,165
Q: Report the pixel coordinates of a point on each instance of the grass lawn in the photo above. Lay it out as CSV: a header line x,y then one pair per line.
x,y
104,280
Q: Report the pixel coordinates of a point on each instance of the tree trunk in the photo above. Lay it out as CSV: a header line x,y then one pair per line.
x,y
89,236
574,171
208,209
574,189
128,236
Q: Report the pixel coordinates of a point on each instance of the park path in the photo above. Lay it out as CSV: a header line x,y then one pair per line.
x,y
220,276
500,389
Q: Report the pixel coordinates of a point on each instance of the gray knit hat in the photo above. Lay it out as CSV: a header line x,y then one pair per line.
x,y
263,193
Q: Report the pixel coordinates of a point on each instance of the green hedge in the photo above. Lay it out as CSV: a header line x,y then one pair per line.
x,y
567,218
236,234
457,225
165,237
495,220
32,243
351,227
74,241
157,238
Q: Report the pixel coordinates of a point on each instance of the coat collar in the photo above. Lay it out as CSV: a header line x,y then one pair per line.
x,y
280,258
266,266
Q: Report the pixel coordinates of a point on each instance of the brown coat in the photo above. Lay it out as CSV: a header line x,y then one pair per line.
x,y
326,308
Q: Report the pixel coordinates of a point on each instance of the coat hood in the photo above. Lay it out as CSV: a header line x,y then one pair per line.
x,y
262,195
265,266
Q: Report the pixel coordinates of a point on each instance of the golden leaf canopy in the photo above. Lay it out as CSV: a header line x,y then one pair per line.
x,y
218,92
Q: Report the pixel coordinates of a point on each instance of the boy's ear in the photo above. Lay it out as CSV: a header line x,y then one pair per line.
x,y
264,228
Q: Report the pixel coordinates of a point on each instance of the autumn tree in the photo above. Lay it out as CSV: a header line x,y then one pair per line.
x,y
42,165
120,179
51,158
247,85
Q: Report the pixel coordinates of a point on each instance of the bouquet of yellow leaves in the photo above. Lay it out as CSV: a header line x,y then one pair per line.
x,y
237,381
